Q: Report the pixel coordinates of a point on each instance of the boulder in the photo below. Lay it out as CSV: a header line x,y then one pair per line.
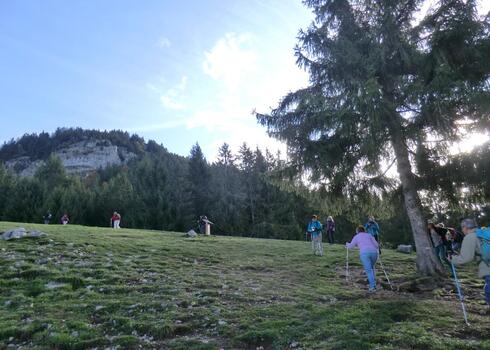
x,y
404,248
36,234
20,232
191,234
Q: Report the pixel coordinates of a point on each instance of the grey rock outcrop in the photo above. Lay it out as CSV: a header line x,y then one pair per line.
x,y
20,232
78,158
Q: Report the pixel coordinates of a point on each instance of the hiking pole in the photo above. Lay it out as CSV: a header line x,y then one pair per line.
x,y
384,271
347,264
461,298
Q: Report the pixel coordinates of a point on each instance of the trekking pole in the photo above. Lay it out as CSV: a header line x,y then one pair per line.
x,y
460,294
384,271
347,264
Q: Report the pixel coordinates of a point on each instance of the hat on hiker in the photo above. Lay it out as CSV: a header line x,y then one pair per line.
x,y
468,223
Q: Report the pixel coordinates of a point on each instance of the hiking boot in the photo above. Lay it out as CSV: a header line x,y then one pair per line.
x,y
372,290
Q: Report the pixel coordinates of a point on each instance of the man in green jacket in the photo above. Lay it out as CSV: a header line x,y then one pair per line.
x,y
471,250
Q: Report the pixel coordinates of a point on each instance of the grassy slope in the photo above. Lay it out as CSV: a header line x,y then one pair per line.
x,y
159,290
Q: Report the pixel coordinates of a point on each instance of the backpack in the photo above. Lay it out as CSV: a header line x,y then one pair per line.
x,y
483,234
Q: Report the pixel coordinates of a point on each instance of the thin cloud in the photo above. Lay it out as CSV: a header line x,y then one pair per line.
x,y
173,98
164,43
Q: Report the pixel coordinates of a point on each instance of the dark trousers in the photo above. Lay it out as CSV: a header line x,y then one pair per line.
x,y
487,289
330,234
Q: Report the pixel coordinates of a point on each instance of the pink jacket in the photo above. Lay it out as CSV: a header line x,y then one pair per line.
x,y
365,242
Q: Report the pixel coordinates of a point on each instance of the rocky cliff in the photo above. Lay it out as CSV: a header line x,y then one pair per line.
x,y
78,158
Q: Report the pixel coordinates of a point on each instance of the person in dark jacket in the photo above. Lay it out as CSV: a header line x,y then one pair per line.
x,y
47,218
65,219
437,235
202,224
330,229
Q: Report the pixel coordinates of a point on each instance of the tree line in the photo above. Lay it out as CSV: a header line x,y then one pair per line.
x,y
248,193
158,190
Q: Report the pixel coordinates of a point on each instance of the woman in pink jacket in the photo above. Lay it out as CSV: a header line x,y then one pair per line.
x,y
368,253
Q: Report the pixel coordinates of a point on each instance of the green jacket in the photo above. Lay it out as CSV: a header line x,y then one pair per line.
x,y
471,250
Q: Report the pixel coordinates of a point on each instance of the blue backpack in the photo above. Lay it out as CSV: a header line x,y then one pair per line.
x,y
483,234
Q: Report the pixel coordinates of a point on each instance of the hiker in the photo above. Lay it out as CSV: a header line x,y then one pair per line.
x,y
456,239
447,237
315,230
368,247
65,219
116,220
372,227
330,229
437,235
47,218
476,245
204,225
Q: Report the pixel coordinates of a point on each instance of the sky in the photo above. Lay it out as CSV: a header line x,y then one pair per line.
x,y
178,72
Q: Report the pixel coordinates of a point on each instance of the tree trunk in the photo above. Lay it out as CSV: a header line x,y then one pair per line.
x,y
427,262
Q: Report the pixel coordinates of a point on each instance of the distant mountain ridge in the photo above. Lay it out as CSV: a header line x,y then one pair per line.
x,y
81,151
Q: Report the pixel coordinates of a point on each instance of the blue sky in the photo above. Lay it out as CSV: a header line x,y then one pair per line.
x,y
173,71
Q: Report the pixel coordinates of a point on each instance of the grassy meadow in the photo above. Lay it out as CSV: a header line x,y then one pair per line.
x,y
97,288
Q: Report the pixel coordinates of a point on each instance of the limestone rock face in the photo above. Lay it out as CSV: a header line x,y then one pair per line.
x,y
78,158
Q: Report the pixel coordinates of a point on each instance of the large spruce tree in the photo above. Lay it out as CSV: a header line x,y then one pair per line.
x,y
381,83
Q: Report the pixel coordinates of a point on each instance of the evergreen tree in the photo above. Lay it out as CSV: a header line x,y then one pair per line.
x,y
52,173
199,181
377,85
225,156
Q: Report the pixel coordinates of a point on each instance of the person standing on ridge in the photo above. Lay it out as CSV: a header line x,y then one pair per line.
x,y
330,229
65,219
315,230
116,220
47,218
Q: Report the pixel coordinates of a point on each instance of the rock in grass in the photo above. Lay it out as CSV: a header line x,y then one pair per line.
x,y
14,233
404,248
20,232
55,285
191,234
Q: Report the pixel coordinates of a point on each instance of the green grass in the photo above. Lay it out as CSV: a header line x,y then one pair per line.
x,y
86,288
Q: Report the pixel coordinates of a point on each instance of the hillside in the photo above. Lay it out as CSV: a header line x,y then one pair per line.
x,y
87,288
151,187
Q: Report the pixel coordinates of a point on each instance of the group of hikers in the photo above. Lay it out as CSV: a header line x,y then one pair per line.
x,y
315,231
366,239
451,246
64,220
115,221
